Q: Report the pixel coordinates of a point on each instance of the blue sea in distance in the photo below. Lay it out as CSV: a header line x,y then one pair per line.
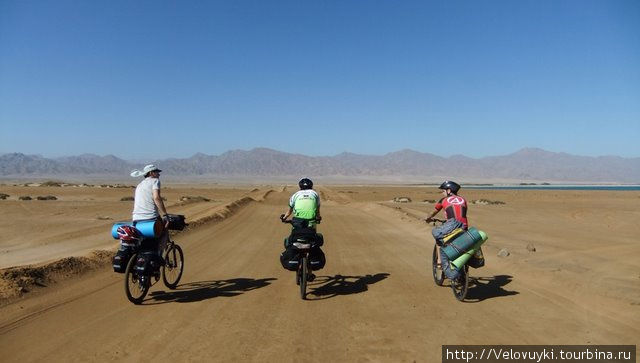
x,y
556,187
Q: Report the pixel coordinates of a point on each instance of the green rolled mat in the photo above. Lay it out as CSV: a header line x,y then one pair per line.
x,y
462,243
465,257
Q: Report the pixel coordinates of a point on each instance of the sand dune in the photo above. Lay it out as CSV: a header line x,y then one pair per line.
x,y
374,301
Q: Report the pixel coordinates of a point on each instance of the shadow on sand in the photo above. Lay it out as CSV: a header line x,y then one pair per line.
x,y
482,288
325,287
203,290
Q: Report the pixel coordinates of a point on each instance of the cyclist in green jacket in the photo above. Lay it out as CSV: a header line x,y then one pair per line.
x,y
304,204
304,207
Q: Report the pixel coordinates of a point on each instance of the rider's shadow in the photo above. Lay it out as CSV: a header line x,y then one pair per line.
x,y
325,287
203,290
482,288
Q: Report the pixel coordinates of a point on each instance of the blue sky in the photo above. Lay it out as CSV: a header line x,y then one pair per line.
x,y
154,79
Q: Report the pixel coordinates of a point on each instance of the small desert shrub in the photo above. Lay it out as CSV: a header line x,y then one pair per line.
x,y
402,200
25,197
487,202
189,198
121,186
51,183
432,201
46,197
4,196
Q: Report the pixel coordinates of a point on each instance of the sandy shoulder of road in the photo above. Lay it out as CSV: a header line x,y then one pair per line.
x,y
45,240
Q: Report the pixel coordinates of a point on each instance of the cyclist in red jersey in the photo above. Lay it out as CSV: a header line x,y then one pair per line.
x,y
455,208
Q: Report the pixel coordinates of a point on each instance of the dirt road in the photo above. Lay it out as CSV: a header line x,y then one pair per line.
x,y
374,301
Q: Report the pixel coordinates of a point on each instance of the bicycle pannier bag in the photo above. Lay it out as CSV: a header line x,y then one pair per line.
x,y
317,259
176,222
289,259
121,259
477,260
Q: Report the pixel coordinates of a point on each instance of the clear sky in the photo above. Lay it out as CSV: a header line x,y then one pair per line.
x,y
154,79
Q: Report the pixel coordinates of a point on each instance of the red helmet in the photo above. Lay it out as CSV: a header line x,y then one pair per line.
x,y
128,233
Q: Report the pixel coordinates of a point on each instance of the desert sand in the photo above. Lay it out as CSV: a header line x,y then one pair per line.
x,y
374,301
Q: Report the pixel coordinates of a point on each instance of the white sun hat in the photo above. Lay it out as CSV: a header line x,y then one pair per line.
x,y
145,170
150,168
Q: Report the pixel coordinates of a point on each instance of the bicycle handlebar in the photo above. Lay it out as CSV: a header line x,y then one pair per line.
x,y
290,221
434,220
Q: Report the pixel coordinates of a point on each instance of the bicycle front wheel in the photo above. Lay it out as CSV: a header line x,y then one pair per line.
x,y
436,268
173,266
136,285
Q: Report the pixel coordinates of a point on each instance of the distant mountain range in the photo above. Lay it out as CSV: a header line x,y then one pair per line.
x,y
530,164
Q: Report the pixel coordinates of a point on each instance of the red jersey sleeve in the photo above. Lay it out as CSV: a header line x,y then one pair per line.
x,y
439,204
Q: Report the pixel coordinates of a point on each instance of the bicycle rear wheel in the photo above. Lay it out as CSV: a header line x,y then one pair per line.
x,y
303,277
460,286
136,286
173,266
436,268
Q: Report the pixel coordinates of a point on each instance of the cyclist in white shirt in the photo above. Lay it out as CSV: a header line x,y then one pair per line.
x,y
148,203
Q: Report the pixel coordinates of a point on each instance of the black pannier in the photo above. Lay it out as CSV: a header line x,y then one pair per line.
x,y
477,260
317,238
121,259
307,234
176,222
317,259
148,262
290,259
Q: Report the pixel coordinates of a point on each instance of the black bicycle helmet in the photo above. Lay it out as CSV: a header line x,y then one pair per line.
x,y
448,184
305,183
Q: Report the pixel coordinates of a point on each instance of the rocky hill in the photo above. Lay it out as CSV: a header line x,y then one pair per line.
x,y
529,164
